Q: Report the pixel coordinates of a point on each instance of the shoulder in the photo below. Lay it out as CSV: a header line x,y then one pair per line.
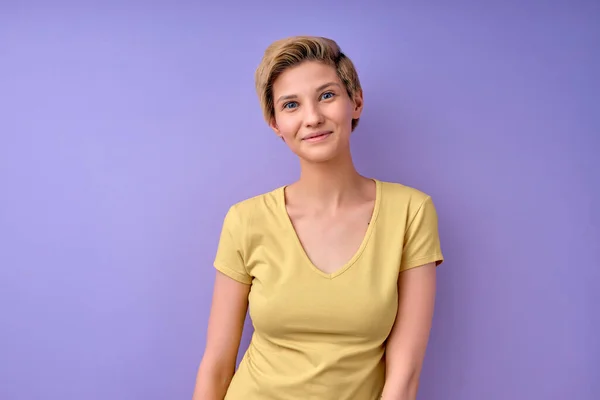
x,y
398,194
403,204
256,206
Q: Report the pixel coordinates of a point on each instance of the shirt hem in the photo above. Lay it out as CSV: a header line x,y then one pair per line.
x,y
438,258
233,274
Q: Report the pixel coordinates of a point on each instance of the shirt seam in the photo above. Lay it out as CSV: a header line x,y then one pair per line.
x,y
414,217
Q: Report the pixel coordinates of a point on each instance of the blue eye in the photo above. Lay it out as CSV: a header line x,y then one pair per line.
x,y
327,95
288,105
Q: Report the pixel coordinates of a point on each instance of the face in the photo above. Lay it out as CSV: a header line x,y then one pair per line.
x,y
313,112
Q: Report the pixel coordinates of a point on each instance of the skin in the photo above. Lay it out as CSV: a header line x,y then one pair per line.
x,y
329,206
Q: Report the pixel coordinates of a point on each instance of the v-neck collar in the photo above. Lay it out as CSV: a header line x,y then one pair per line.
x,y
359,251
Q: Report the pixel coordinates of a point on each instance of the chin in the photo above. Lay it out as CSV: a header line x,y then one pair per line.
x,y
319,155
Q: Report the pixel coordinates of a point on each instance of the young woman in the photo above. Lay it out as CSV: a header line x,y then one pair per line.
x,y
338,270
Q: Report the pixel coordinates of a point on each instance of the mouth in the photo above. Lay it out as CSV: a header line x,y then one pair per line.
x,y
317,136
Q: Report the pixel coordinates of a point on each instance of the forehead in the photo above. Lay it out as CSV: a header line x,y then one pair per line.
x,y
304,77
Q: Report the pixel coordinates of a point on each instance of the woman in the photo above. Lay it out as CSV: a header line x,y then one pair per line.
x,y
338,269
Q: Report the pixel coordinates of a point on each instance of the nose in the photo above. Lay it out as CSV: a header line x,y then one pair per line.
x,y
314,116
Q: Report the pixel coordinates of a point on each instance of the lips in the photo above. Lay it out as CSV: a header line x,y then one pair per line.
x,y
317,135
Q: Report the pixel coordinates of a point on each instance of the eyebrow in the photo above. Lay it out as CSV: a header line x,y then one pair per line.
x,y
293,96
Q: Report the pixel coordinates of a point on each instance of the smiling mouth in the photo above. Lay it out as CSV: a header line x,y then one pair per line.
x,y
317,137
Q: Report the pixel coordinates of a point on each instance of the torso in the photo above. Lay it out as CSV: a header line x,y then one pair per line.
x,y
323,295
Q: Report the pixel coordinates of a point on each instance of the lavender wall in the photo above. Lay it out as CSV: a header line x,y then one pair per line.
x,y
127,131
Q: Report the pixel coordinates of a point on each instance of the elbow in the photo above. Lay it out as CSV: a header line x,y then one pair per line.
x,y
402,385
212,381
412,387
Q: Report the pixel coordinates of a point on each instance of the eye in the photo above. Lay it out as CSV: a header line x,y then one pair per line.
x,y
327,95
290,105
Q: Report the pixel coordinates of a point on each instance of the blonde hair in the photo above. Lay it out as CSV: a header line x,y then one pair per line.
x,y
285,53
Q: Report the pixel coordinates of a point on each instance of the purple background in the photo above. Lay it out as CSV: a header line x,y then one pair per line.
x,y
127,131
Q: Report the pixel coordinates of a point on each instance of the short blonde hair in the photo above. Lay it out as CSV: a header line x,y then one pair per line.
x,y
285,53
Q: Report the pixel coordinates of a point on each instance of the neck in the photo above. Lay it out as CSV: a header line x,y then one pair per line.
x,y
329,184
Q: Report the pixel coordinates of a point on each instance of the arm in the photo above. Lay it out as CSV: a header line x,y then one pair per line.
x,y
225,326
408,339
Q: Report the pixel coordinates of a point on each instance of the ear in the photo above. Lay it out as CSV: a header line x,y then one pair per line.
x,y
273,125
358,105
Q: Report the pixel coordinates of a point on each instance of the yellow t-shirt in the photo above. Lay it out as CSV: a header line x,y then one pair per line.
x,y
316,335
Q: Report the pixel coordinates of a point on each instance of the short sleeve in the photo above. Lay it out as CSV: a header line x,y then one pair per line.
x,y
421,240
229,258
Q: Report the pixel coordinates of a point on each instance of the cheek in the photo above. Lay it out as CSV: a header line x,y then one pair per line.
x,y
339,112
288,126
347,112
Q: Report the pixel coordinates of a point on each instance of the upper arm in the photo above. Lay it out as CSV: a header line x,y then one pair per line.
x,y
408,339
226,322
230,294
421,254
421,238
